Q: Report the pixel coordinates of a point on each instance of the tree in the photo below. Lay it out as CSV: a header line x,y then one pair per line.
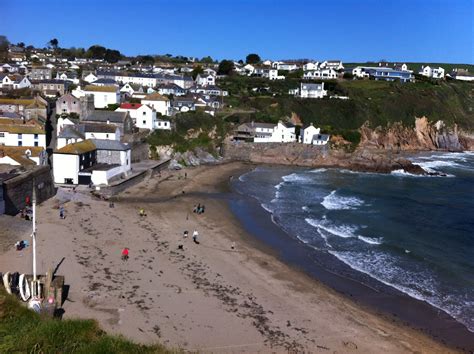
x,y
146,59
252,59
53,43
4,43
196,71
225,67
207,60
20,44
112,56
96,52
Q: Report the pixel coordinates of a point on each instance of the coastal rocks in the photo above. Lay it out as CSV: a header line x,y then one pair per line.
x,y
424,136
196,157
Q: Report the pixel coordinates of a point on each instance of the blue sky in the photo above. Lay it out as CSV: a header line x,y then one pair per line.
x,y
357,30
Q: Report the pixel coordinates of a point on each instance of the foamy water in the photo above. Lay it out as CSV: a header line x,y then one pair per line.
x,y
413,233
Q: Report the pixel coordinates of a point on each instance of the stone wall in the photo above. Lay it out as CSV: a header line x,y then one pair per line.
x,y
2,202
276,153
140,151
15,190
108,156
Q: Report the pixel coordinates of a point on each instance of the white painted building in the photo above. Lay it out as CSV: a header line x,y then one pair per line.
x,y
309,91
307,134
434,73
22,135
103,95
280,65
266,132
311,66
320,74
90,78
144,116
158,102
205,80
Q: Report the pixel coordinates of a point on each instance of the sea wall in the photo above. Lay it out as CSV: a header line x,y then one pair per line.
x,y
276,153
15,190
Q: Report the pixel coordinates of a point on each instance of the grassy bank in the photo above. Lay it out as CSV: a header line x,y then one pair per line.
x,y
22,330
378,102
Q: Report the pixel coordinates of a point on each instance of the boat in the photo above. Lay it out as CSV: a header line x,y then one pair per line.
x,y
6,282
24,288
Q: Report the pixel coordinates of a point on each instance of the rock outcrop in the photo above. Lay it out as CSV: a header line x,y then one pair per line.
x,y
425,136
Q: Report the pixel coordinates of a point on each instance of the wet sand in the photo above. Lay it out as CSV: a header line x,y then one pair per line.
x,y
207,297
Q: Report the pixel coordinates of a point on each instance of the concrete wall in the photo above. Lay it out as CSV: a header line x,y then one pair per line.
x,y
15,190
66,166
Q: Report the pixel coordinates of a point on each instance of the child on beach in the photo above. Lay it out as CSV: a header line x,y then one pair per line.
x,y
125,254
142,212
61,212
185,234
195,236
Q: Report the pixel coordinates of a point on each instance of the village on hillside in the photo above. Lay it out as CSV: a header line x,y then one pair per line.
x,y
87,117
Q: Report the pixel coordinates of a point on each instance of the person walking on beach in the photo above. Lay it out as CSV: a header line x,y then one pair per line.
x,y
142,212
61,212
195,236
185,234
125,254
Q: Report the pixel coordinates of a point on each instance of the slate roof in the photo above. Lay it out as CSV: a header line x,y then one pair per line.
x,y
103,144
155,97
71,132
104,116
105,82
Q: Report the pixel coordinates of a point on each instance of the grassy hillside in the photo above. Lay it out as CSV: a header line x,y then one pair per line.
x,y
378,102
23,331
417,66
193,129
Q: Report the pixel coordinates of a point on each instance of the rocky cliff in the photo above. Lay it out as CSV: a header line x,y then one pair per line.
x,y
424,136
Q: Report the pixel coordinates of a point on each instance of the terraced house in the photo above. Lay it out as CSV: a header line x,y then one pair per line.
x,y
16,132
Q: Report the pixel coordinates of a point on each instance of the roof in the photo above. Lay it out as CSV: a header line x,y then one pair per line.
x,y
104,81
130,105
17,101
104,116
155,97
312,86
51,81
253,125
11,115
98,128
101,88
71,132
103,144
22,129
18,153
77,148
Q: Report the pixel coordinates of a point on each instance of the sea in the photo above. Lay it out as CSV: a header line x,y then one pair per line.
x,y
412,233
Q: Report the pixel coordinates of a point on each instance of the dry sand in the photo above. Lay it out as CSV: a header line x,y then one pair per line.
x,y
207,297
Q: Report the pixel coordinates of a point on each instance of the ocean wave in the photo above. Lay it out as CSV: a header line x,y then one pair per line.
x,y
319,170
437,164
335,202
403,173
267,207
371,240
295,177
344,231
384,269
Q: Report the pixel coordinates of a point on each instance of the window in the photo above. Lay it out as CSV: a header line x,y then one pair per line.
x,y
20,143
144,122
20,136
107,136
36,136
36,143
144,113
2,135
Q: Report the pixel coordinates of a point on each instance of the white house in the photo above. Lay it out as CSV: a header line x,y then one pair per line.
x,y
322,74
91,161
463,75
248,69
360,72
205,80
266,72
311,66
209,71
127,89
13,133
75,133
309,91
144,116
23,155
266,132
332,64
90,78
307,134
159,102
312,135
103,95
279,65
435,73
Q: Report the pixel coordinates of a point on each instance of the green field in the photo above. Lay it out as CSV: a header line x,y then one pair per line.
x,y
23,331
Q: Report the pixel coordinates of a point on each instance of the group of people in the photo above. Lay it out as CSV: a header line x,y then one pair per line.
x,y
199,209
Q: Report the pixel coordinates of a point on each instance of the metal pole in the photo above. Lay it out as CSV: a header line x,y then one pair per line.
x,y
34,231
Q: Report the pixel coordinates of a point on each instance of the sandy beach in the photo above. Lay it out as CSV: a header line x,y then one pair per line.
x,y
208,297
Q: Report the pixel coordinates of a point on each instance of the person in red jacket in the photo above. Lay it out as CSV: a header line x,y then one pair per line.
x,y
125,254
